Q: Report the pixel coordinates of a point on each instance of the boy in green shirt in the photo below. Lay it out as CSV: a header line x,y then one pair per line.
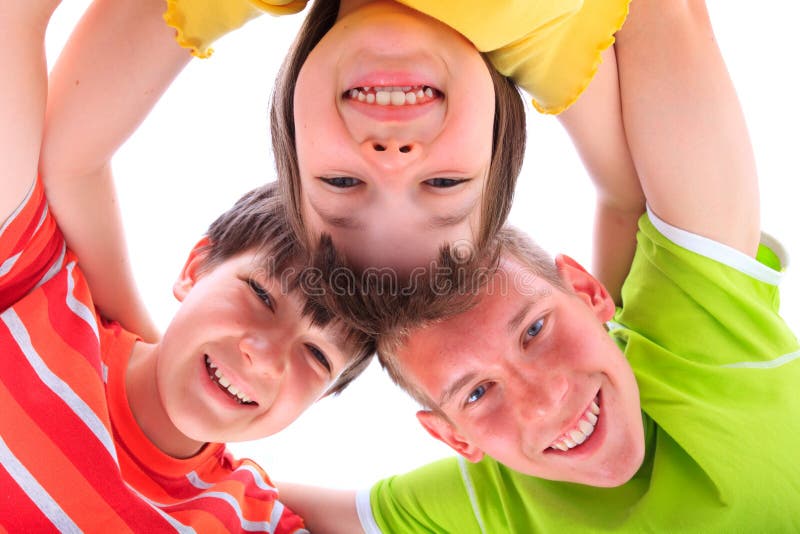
x,y
683,419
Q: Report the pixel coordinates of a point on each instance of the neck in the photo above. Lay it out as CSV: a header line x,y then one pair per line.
x,y
147,407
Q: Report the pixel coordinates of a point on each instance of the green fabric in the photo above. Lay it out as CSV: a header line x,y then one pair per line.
x,y
718,372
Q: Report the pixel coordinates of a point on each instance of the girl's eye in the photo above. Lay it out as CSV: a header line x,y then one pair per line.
x,y
342,182
445,182
261,293
534,329
319,357
476,394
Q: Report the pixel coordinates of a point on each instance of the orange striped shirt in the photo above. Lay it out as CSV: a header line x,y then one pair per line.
x,y
71,455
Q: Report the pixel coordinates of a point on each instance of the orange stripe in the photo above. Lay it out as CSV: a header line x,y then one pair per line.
x,y
62,359
52,469
200,520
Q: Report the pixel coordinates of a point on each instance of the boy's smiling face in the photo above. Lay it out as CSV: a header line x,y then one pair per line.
x,y
238,362
527,374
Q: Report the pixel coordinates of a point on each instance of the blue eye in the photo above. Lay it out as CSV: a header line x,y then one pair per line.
x,y
535,328
342,182
476,394
319,357
261,293
445,182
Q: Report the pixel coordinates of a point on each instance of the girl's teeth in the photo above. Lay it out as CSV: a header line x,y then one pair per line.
x,y
396,96
382,98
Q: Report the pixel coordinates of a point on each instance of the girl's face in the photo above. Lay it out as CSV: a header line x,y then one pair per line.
x,y
393,126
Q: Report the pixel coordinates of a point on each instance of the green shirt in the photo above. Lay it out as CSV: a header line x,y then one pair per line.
x,y
719,378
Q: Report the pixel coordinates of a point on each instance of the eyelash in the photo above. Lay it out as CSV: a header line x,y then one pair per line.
x,y
319,357
261,293
342,182
444,183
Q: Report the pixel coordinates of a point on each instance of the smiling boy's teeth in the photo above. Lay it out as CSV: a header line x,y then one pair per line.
x,y
581,432
226,384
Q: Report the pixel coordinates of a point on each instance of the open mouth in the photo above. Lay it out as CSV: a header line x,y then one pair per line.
x,y
407,95
583,429
224,383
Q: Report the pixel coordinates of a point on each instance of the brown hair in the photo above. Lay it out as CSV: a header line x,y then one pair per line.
x,y
258,221
508,140
452,286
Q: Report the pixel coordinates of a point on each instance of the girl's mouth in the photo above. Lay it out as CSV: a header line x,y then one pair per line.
x,y
408,95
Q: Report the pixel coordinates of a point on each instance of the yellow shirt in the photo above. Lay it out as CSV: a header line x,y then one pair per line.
x,y
550,48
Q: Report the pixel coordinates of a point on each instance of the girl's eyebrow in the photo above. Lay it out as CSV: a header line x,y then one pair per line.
x,y
349,223
443,221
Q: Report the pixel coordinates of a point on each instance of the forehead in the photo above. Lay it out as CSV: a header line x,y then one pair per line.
x,y
488,326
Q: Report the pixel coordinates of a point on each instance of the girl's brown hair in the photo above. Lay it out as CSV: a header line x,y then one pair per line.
x,y
508,140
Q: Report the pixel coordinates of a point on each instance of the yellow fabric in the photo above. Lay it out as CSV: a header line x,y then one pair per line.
x,y
551,48
198,23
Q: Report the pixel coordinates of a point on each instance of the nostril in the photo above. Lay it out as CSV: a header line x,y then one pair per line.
x,y
405,149
378,148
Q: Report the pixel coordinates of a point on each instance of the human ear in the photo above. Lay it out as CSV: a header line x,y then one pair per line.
x,y
191,270
586,287
443,430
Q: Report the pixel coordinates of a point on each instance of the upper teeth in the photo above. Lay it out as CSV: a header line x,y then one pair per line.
x,y
226,383
584,428
394,95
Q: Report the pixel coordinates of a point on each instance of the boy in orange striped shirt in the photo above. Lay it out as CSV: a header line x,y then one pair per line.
x,y
102,431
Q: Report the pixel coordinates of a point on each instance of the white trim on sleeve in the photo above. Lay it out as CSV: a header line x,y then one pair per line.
x,y
364,510
462,464
723,253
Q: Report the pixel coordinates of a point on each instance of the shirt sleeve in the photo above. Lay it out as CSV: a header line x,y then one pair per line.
x,y
30,245
433,498
703,300
550,48
198,23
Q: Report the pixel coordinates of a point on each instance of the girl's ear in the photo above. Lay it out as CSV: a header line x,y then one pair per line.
x,y
191,269
586,287
443,430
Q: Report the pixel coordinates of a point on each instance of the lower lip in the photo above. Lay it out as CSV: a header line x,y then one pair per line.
x,y
592,443
213,389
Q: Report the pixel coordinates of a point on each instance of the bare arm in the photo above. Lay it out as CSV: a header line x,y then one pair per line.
x,y
684,124
23,93
118,62
325,511
594,123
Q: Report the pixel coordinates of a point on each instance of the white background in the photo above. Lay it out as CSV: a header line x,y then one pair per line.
x,y
207,142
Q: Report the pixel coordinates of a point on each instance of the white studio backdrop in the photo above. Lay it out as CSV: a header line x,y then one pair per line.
x,y
207,142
